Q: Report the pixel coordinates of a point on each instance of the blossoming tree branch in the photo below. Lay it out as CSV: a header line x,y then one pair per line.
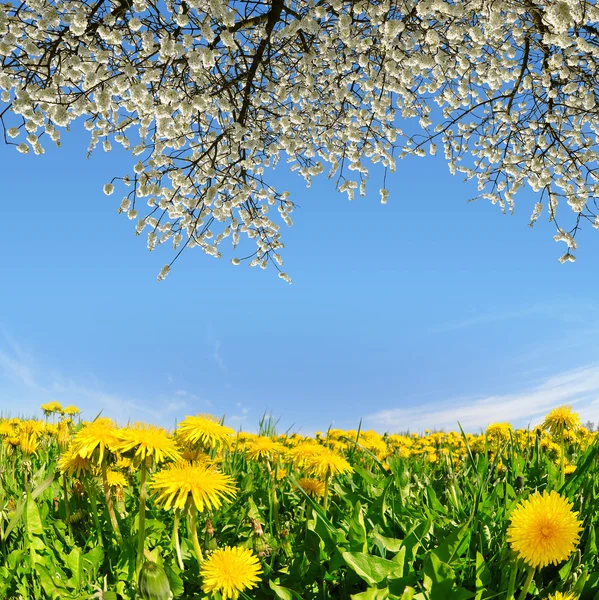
x,y
209,96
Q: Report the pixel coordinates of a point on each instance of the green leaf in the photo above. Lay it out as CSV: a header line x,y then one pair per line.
x,y
75,564
455,544
92,561
57,592
483,576
372,569
45,484
175,581
282,592
372,593
357,530
389,544
32,515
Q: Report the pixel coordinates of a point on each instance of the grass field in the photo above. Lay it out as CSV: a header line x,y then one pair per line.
x,y
92,510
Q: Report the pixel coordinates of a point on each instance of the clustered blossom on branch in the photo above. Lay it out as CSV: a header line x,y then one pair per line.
x,y
209,95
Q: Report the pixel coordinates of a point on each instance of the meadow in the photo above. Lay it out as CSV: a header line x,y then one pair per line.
x,y
91,510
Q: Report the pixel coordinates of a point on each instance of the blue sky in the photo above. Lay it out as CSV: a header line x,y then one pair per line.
x,y
416,314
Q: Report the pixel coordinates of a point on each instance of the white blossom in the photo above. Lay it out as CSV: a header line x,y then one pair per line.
x,y
504,91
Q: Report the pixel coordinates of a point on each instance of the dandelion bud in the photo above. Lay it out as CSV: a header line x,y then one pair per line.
x,y
153,582
209,528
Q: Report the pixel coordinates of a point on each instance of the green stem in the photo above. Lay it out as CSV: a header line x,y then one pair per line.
x,y
530,574
67,508
193,526
141,538
110,505
275,499
562,477
91,494
511,587
325,497
176,542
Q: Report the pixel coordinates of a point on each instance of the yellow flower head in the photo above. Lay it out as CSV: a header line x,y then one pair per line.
x,y
51,407
544,529
312,487
264,447
561,596
63,434
569,469
205,430
148,441
6,429
95,440
305,451
71,410
32,427
327,464
116,479
229,571
499,432
28,443
561,419
179,482
70,462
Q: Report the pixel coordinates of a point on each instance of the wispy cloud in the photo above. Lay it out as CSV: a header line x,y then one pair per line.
x,y
578,387
569,311
216,355
25,378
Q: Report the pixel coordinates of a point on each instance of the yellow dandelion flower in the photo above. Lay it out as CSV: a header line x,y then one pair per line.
x,y
95,440
51,407
499,432
561,419
116,479
122,462
305,451
205,430
569,469
63,436
544,529
195,455
70,462
32,427
312,487
264,447
206,486
562,596
71,410
229,571
327,464
148,441
6,429
28,443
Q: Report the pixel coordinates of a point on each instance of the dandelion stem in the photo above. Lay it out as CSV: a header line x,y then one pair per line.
x,y
91,494
529,575
274,499
193,525
142,515
110,505
67,508
325,497
176,542
562,462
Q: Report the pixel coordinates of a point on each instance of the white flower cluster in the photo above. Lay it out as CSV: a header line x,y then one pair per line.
x,y
209,96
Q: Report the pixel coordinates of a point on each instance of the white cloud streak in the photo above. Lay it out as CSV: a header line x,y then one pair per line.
x,y
577,387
